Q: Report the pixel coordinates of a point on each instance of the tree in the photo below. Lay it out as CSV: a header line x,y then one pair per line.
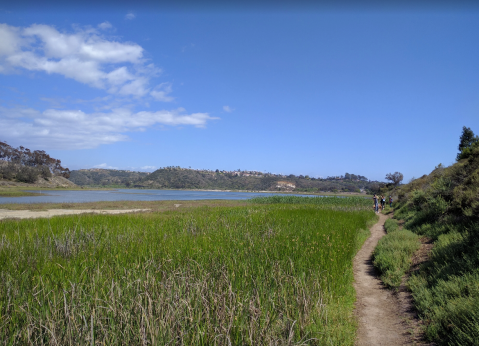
x,y
395,177
38,158
467,141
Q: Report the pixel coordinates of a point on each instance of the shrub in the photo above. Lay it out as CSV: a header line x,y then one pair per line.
x,y
8,171
45,172
27,174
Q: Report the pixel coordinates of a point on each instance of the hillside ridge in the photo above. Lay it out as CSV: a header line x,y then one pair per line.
x,y
187,178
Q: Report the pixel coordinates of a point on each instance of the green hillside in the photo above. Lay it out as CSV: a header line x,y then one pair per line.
x,y
444,206
104,177
184,178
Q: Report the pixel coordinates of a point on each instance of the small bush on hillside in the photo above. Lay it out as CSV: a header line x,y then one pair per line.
x,y
45,172
8,171
27,175
418,199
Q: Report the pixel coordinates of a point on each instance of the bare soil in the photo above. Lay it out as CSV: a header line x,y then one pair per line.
x,y
378,310
28,214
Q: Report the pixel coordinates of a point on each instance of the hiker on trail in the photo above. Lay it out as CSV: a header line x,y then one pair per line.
x,y
376,206
390,201
383,202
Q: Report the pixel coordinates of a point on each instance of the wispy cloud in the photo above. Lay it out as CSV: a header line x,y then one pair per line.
x,y
160,93
148,168
105,25
187,47
74,129
88,57
228,109
104,166
130,16
54,102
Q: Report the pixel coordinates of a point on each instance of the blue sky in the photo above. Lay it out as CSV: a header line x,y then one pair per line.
x,y
303,90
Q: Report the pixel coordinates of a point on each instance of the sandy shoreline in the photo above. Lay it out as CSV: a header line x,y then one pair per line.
x,y
28,214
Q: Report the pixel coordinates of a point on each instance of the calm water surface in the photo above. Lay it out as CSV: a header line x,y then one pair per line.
x,y
130,195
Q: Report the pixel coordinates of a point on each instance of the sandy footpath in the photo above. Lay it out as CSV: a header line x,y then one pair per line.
x,y
27,214
377,309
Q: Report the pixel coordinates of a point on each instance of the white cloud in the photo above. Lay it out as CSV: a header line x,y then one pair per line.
x,y
105,25
88,57
104,166
9,40
228,109
74,129
84,56
130,16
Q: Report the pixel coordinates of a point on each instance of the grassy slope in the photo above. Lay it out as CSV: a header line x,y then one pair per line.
x,y
392,256
255,274
445,207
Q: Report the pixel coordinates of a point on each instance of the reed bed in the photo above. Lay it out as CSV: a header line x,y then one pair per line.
x,y
11,192
251,275
335,201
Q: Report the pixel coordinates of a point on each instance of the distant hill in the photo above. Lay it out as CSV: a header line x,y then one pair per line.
x,y
104,177
184,178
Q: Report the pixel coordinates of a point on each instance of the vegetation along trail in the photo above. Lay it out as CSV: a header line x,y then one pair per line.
x,y
275,271
379,319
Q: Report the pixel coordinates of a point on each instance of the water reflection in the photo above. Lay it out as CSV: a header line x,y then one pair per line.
x,y
60,196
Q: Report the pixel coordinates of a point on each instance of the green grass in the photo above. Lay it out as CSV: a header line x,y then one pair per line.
x,y
392,255
342,202
251,275
446,291
153,205
9,192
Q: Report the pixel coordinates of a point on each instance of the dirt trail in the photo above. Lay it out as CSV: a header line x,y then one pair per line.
x,y
377,309
28,214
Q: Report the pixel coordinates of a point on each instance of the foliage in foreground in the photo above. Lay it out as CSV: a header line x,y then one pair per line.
x,y
254,275
445,207
392,256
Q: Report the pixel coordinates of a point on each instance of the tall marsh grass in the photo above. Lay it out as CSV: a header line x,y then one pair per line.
x,y
254,275
340,202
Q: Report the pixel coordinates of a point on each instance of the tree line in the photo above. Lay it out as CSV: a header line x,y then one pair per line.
x,y
27,166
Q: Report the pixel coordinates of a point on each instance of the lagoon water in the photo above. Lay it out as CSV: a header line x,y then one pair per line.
x,y
75,196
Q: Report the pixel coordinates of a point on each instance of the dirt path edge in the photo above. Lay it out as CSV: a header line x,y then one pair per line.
x,y
377,309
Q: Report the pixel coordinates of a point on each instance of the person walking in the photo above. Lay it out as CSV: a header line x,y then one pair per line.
x,y
390,201
376,206
383,202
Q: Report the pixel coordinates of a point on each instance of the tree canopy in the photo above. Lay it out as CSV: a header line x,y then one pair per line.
x,y
395,177
467,142
38,158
